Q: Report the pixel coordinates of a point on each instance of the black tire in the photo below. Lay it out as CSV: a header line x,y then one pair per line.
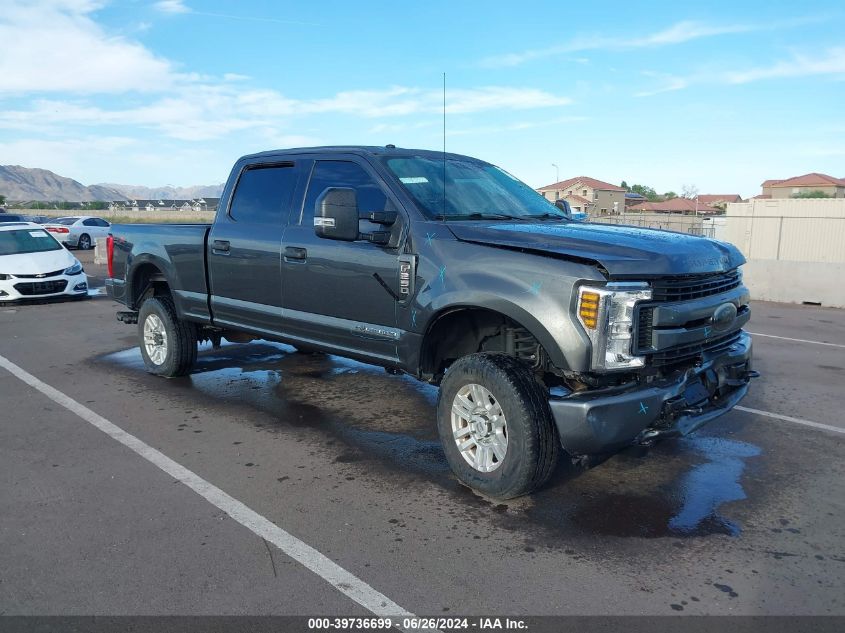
x,y
532,441
84,242
181,339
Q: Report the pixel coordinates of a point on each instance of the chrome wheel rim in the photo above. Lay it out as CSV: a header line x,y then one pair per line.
x,y
84,243
479,428
155,339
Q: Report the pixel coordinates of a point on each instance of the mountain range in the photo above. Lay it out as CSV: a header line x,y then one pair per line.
x,y
24,183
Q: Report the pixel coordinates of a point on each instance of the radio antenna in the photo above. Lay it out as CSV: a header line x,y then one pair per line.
x,y
444,146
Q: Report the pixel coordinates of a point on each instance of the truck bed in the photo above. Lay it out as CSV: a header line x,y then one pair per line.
x,y
178,250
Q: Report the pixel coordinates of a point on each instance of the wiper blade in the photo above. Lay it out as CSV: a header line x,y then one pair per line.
x,y
548,216
479,216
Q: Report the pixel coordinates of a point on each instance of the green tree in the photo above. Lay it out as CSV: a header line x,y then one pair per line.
x,y
625,186
644,190
815,193
2,199
669,195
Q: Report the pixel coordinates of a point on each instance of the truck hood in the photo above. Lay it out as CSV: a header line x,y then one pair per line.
x,y
624,251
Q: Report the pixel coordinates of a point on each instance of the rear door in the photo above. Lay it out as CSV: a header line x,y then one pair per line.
x,y
96,227
244,249
336,292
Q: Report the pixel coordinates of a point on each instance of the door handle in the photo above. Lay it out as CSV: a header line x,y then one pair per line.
x,y
295,253
220,247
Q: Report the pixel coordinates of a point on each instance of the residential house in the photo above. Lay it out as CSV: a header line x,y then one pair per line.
x,y
833,187
587,195
684,206
718,200
632,198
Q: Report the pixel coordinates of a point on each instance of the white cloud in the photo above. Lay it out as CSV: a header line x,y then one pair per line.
x,y
678,33
55,46
832,62
171,6
208,112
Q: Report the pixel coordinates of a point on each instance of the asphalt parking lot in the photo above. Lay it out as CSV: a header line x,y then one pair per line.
x,y
745,517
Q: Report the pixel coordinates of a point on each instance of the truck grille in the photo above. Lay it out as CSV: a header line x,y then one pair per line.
x,y
686,288
41,287
686,353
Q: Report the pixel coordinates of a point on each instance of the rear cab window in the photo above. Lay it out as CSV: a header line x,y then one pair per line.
x,y
263,194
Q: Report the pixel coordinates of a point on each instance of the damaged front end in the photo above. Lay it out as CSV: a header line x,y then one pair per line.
x,y
678,404
682,342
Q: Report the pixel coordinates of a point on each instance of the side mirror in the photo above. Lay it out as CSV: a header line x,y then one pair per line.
x,y
563,205
336,214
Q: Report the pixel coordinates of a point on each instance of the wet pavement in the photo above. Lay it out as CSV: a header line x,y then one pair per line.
x,y
745,516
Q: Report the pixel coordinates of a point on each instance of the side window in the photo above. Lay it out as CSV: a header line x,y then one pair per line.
x,y
101,222
263,194
341,173
89,222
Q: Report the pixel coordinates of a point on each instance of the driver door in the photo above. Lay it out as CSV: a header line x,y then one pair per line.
x,y
335,291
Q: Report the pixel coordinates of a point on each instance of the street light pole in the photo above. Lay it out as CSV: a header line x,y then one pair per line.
x,y
557,173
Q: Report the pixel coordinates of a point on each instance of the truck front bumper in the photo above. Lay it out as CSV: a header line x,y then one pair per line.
x,y
590,423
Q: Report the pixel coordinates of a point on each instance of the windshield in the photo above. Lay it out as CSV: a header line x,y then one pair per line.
x,y
474,190
27,241
66,221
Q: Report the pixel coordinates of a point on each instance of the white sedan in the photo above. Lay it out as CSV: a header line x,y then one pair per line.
x,y
80,231
33,265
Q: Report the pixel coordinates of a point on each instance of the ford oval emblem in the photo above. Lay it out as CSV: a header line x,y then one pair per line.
x,y
724,316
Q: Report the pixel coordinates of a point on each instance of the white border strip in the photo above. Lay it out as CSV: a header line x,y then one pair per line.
x,y
796,340
342,580
787,418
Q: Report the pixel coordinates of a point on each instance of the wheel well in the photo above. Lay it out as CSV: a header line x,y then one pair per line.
x,y
148,280
457,333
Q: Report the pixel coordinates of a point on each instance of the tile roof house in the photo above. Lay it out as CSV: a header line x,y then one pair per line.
x,y
718,199
587,195
684,206
834,187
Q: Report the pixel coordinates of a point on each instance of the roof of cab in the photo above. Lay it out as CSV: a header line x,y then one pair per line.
x,y
363,150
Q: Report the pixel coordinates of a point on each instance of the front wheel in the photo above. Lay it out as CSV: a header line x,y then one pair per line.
x,y
168,344
495,425
84,242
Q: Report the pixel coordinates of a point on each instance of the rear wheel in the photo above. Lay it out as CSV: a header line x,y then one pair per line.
x,y
495,425
168,344
84,242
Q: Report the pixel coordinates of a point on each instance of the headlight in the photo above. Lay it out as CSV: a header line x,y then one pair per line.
x,y
75,269
607,314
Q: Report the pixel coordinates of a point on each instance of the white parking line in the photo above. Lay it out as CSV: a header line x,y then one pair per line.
x,y
342,580
796,340
787,418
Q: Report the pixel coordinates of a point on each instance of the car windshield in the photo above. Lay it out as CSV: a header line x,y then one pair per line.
x,y
27,240
474,190
66,221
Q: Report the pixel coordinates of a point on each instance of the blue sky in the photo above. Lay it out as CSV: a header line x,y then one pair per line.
x,y
719,95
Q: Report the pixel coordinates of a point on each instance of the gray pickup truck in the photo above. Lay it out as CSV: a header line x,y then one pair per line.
x,y
545,335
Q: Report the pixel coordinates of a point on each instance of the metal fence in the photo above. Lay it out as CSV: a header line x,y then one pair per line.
x,y
797,239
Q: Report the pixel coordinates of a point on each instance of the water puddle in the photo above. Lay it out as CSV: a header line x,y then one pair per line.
x,y
681,488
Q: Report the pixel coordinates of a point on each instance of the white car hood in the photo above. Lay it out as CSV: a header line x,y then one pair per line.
x,y
36,263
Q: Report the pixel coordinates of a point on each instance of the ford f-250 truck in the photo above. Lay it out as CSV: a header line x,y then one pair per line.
x,y
542,333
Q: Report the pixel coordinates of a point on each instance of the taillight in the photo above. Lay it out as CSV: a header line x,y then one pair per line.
x,y
110,254
58,229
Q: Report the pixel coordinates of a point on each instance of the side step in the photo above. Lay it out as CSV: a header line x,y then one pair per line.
x,y
129,318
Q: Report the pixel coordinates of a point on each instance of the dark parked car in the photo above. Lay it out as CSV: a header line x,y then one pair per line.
x,y
13,217
542,333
